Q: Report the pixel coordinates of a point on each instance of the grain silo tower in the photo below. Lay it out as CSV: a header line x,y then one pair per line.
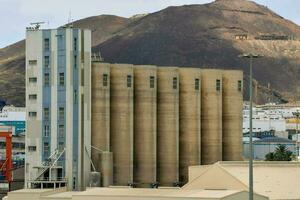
x,y
101,155
167,125
121,122
211,116
189,120
100,106
145,125
232,114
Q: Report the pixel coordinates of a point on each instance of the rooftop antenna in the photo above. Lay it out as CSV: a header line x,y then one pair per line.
x,y
37,25
70,20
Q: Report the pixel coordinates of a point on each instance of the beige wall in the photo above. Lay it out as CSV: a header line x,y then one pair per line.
x,y
156,133
189,120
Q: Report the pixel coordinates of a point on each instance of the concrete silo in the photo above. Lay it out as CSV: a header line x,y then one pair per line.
x,y
167,125
145,125
232,115
189,120
100,133
121,122
211,116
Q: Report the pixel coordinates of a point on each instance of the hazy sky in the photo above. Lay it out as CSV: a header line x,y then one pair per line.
x,y
15,15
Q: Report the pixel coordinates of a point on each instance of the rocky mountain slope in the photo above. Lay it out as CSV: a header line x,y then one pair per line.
x,y
209,35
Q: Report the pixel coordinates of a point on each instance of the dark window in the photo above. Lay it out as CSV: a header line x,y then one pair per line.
x,y
32,114
105,80
31,148
239,85
61,130
47,44
46,131
61,113
46,114
32,62
152,81
61,79
46,79
47,61
129,81
75,44
75,96
61,146
75,61
32,96
32,80
197,84
174,83
46,149
218,85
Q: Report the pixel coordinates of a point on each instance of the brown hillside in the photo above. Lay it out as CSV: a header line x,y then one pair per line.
x,y
192,35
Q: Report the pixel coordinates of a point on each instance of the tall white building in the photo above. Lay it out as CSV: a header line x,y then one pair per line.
x,y
58,107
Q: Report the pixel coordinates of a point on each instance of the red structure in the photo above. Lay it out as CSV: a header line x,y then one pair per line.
x,y
6,167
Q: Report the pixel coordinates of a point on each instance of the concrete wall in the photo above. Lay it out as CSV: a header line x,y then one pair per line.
x,y
211,116
121,122
189,120
232,115
145,125
167,126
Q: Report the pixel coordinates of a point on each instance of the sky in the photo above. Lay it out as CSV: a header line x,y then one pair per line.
x,y
15,15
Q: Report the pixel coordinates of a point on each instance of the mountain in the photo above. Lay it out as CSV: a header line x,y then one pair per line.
x,y
209,35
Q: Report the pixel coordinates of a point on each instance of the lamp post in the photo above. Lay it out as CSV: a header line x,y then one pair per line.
x,y
250,56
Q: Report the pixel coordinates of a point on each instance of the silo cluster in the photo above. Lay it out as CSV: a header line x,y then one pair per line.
x,y
150,123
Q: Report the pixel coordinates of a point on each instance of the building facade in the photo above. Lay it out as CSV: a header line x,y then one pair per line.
x,y
151,123
58,106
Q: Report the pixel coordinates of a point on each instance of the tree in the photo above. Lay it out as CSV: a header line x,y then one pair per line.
x,y
281,153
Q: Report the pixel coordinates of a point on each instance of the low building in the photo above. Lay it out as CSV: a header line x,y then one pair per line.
x,y
261,147
276,180
218,181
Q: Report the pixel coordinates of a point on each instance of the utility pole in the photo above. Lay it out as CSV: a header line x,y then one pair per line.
x,y
250,56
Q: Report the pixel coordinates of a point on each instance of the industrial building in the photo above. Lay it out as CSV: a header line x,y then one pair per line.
x,y
150,123
58,98
138,125
222,180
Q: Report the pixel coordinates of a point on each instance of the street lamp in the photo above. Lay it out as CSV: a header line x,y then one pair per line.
x,y
251,56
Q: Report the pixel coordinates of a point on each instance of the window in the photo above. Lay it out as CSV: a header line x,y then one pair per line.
x,y
46,114
46,61
61,113
31,148
174,83
46,79
32,114
218,85
129,80
239,85
61,146
32,80
46,149
32,62
32,96
197,84
75,61
152,81
61,131
105,80
75,96
46,44
75,44
61,79
46,131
